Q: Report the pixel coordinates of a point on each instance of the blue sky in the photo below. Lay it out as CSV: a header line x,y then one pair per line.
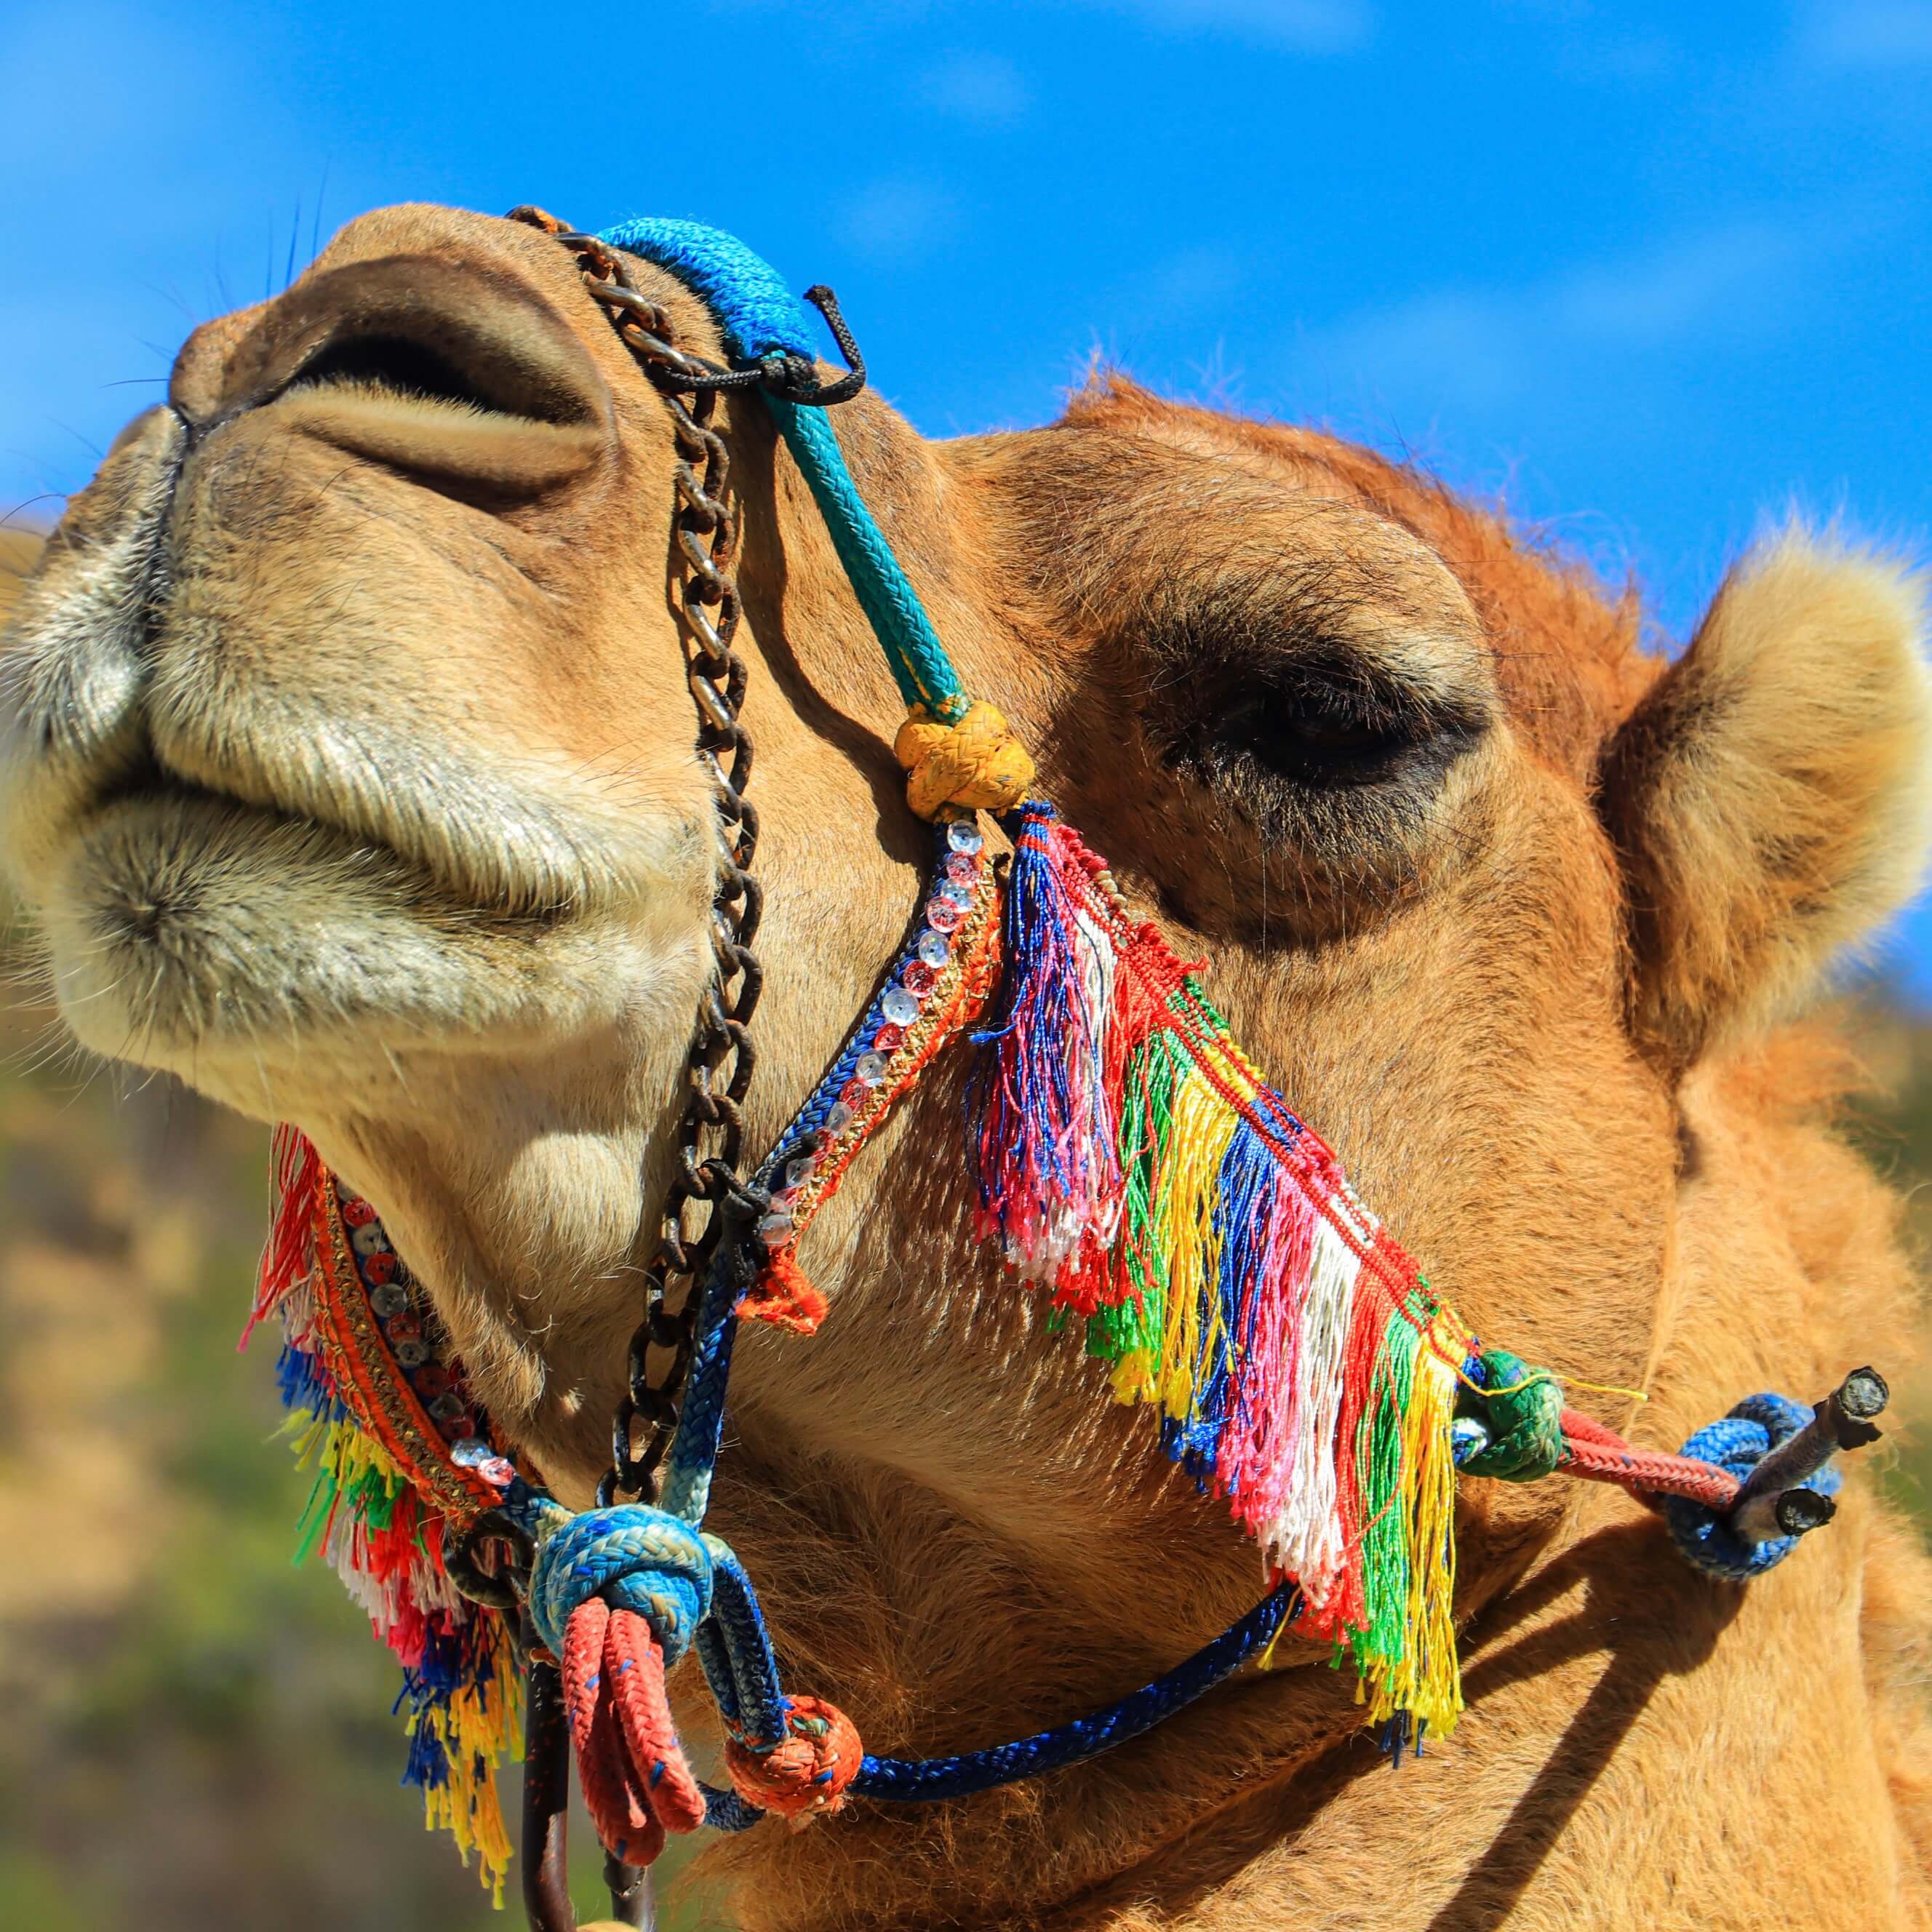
x,y
1656,273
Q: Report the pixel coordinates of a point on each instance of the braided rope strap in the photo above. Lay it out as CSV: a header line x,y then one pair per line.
x,y
620,1595
1511,1424
956,752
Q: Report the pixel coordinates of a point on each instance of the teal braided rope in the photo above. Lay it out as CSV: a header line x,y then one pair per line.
x,y
636,1558
759,317
920,666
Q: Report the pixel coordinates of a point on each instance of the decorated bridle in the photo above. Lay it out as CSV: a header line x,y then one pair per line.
x,y
1129,1161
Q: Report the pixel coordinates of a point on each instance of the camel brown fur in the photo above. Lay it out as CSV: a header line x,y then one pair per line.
x,y
350,777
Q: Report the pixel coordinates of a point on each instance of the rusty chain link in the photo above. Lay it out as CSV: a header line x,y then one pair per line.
x,y
708,1173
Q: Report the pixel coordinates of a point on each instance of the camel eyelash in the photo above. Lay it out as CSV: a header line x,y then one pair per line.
x,y
1310,735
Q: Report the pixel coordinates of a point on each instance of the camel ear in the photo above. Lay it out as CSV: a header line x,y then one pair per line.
x,y
1769,797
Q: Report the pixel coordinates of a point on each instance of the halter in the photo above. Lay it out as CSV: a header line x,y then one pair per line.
x,y
1130,1161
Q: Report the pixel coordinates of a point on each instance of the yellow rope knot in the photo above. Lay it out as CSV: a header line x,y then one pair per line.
x,y
975,763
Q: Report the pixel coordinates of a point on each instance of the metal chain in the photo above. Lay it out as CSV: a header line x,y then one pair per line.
x,y
708,1178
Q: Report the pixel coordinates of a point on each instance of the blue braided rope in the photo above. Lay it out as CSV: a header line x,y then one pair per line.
x,y
700,1428
756,313
693,1452
927,1779
758,316
1739,1443
726,1811
736,1652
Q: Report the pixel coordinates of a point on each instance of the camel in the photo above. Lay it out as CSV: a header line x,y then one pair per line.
x,y
347,775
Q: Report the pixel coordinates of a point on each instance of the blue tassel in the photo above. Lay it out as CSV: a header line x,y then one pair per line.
x,y
1042,1147
304,1386
428,1765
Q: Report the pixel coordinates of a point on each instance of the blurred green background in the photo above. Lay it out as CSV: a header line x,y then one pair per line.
x,y
197,1733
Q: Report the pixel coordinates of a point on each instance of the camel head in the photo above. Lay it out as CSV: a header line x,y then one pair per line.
x,y
348,774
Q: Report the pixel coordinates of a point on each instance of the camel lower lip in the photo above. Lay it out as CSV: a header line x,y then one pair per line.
x,y
183,924
159,804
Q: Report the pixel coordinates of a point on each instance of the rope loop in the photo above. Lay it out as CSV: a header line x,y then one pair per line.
x,y
636,1559
1521,1410
1737,1444
977,763
807,1772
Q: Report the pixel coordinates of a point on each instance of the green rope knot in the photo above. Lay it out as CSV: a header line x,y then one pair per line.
x,y
1521,1408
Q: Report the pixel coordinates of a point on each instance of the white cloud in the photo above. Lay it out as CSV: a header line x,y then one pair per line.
x,y
1865,33
986,90
1306,26
1480,347
896,220
1678,286
1188,282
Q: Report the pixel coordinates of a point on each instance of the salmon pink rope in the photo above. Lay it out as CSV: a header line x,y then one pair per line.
x,y
1601,1454
637,1785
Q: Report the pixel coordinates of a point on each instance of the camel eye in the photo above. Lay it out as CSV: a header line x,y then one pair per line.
x,y
1321,727
1320,730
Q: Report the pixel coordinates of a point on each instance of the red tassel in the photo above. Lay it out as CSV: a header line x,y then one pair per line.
x,y
785,1295
296,1172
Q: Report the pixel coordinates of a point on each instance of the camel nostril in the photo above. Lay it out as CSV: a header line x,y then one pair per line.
x,y
454,373
412,370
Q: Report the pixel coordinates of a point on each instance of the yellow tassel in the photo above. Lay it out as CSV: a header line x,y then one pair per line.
x,y
976,763
482,1723
1427,1679
1184,1226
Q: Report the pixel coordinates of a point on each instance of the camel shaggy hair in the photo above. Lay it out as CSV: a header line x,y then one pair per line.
x,y
349,776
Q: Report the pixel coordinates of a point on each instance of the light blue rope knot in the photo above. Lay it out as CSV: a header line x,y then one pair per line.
x,y
1757,1425
636,1559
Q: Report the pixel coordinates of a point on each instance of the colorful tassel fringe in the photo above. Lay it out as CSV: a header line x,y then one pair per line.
x,y
368,1513
1130,1159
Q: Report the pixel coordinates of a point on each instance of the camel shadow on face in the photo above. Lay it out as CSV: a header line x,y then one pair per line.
x,y
1639,1663
1644,1651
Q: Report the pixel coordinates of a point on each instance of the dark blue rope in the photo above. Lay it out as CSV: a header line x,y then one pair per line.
x,y
726,1811
925,1780
694,1453
749,1698
1739,1443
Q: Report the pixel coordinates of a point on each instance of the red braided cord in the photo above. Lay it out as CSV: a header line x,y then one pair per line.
x,y
1602,1456
637,1785
634,1678
626,1824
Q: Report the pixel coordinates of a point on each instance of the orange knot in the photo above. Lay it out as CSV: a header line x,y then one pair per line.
x,y
785,1295
809,1771
977,763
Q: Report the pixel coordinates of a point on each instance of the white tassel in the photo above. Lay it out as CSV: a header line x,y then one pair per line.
x,y
1304,1539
